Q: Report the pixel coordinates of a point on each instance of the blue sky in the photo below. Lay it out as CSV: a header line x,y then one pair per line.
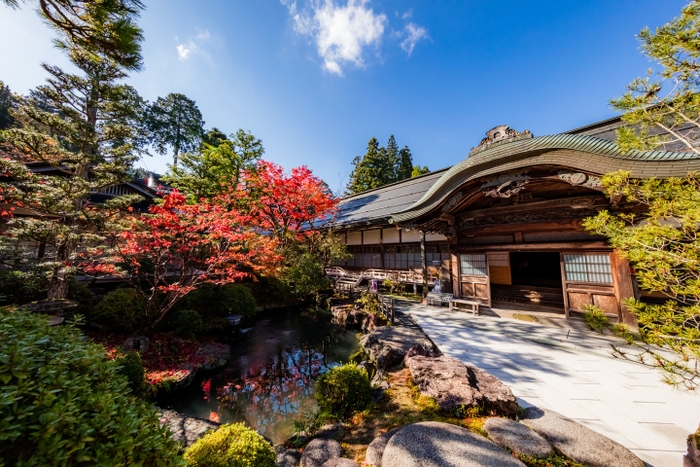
x,y
315,79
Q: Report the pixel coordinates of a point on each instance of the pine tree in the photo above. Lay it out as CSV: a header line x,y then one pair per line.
x,y
418,171
669,105
176,122
7,103
404,169
99,28
367,172
83,126
392,160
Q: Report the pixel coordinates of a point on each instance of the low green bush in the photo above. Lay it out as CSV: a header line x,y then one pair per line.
x,y
19,287
131,367
83,296
343,390
271,291
62,402
236,299
122,310
188,323
231,446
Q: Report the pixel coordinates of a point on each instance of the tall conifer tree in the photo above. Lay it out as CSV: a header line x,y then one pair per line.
x,y
83,127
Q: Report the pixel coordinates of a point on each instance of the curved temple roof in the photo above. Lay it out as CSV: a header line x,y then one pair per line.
x,y
581,152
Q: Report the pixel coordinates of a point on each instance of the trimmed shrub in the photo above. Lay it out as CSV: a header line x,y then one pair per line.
x,y
271,291
62,402
204,298
188,323
344,390
121,310
83,296
19,287
236,299
131,367
231,446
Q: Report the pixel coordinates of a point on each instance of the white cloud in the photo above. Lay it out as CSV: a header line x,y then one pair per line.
x,y
341,32
412,34
193,46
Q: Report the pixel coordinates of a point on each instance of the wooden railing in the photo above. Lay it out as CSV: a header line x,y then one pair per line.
x,y
387,307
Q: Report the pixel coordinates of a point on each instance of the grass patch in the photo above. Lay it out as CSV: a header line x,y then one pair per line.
x,y
555,460
523,317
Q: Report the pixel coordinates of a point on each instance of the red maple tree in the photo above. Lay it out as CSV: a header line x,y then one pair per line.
x,y
239,233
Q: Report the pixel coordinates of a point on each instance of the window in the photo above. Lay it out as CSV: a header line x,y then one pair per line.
x,y
472,265
588,268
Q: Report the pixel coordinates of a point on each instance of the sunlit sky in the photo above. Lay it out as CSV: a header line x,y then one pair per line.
x,y
316,79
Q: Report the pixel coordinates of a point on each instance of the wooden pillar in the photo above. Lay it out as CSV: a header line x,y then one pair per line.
x,y
624,288
423,263
381,247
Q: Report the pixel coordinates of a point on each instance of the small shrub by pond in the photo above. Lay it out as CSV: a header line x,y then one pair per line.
x,y
69,404
188,323
236,299
131,367
121,310
343,390
231,446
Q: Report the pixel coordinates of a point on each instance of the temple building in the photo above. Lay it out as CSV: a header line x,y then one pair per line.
x,y
505,225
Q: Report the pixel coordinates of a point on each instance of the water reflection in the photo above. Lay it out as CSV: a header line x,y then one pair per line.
x,y
270,378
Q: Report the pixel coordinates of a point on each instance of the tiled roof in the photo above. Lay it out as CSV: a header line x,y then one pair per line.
x,y
376,206
581,152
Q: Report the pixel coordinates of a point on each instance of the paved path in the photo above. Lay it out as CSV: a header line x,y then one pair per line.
x,y
571,372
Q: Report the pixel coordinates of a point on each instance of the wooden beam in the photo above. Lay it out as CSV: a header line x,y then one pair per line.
x,y
594,245
577,202
560,226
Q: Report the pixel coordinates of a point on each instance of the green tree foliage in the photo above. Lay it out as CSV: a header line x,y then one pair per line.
x,y
231,446
7,104
66,404
380,166
343,390
176,122
83,126
216,166
404,169
663,245
418,171
100,28
664,110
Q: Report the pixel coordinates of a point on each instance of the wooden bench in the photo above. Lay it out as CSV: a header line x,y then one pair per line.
x,y
438,297
473,304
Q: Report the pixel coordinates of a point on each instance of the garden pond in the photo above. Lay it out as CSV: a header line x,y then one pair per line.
x,y
269,381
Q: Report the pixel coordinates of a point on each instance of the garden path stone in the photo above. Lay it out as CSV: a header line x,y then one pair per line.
x,y
578,442
341,462
517,437
375,450
319,451
436,444
186,430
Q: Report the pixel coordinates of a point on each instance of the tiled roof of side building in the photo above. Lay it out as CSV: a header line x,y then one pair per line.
x,y
377,206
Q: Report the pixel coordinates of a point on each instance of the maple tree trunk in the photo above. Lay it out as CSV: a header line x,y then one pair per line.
x,y
58,284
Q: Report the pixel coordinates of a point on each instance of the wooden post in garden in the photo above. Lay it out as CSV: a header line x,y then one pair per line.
x,y
423,263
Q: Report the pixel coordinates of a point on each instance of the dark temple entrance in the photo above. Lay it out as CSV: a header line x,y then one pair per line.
x,y
535,281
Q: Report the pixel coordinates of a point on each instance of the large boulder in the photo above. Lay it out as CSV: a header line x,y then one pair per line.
x,y
453,384
692,457
375,450
578,442
286,457
341,462
320,451
185,429
435,444
387,345
517,437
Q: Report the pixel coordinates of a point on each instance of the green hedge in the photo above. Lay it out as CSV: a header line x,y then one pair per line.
x,y
62,402
231,446
19,287
344,390
121,310
236,299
